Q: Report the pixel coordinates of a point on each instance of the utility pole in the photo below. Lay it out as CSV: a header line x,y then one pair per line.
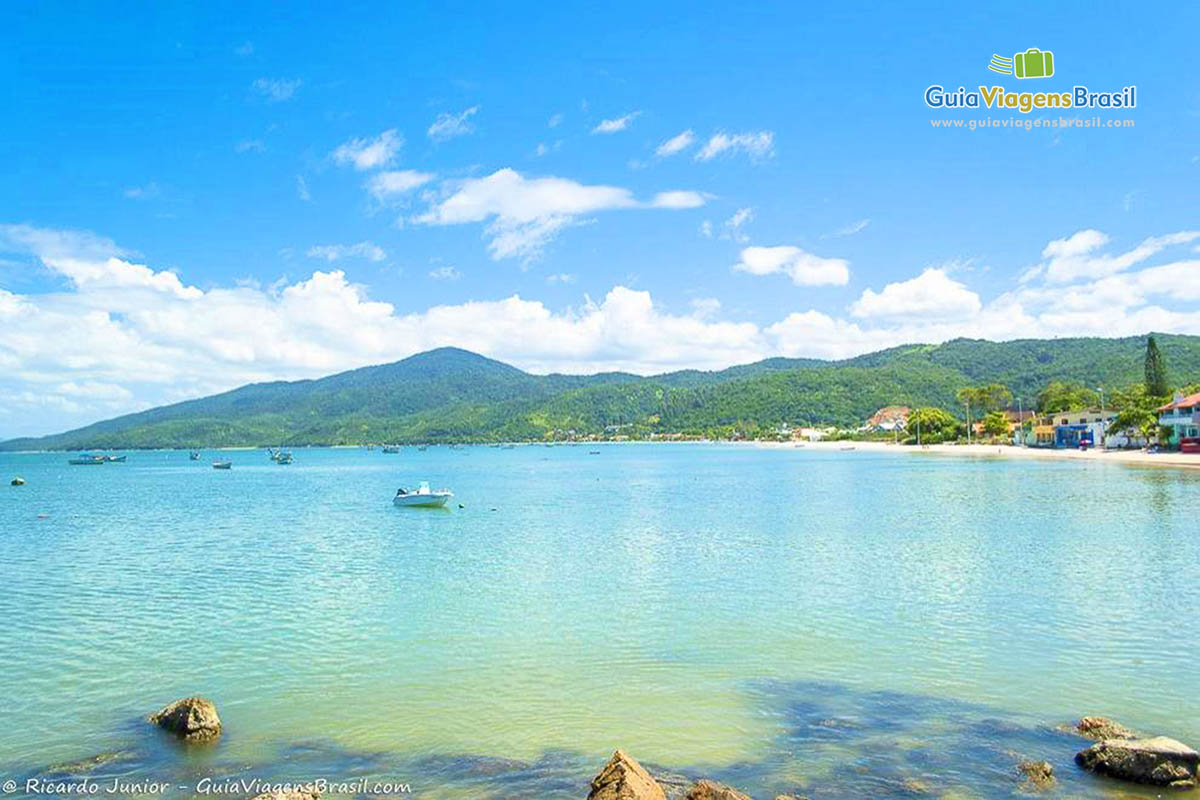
x,y
968,405
1021,421
1103,424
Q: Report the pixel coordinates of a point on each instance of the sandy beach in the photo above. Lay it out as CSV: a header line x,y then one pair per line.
x,y
1137,457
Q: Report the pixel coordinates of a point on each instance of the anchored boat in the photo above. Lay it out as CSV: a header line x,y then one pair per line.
x,y
222,465
86,459
422,496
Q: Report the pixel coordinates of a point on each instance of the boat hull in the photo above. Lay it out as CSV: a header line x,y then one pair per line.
x,y
433,500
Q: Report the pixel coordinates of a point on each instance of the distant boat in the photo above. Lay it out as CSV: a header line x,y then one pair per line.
x,y
113,459
283,458
18,481
423,448
194,455
391,448
593,452
86,459
222,465
422,496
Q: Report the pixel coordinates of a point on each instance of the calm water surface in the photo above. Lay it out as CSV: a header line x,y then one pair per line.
x,y
790,620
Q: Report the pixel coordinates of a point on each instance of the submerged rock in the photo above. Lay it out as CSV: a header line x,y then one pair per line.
x,y
193,719
708,790
1038,774
623,778
296,793
1101,728
1160,761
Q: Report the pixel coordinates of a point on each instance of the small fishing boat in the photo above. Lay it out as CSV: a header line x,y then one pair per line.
x,y
391,448
18,481
222,465
86,460
194,455
283,458
422,496
113,459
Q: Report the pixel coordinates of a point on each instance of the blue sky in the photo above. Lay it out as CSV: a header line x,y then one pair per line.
x,y
196,197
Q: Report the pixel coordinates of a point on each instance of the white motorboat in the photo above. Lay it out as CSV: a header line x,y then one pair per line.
x,y
422,496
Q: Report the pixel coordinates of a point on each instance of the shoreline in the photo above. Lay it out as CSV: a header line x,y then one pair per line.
x,y
1008,451
1134,457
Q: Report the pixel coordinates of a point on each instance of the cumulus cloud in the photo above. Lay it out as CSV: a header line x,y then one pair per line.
x,y
450,126
276,90
340,252
755,144
734,225
805,269
676,144
365,154
931,295
386,186
1076,256
524,214
616,125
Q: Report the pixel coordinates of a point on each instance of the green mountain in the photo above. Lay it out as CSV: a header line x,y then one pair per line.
x,y
450,395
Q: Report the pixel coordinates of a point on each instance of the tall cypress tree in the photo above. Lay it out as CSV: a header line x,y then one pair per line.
x,y
1156,371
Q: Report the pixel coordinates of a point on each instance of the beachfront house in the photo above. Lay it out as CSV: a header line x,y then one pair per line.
x,y
1182,417
1084,428
889,419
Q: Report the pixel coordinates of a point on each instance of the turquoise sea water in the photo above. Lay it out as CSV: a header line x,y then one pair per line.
x,y
829,622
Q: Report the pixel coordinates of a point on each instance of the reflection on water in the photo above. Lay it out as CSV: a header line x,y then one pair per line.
x,y
787,620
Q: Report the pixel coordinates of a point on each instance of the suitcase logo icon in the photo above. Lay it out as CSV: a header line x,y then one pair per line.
x,y
1033,63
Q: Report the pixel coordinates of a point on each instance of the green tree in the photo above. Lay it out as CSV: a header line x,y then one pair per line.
x,y
1156,371
995,424
1135,420
1063,396
933,425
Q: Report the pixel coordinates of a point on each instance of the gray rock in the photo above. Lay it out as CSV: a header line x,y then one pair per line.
x,y
193,719
1038,774
1101,728
1159,761
708,790
296,793
623,778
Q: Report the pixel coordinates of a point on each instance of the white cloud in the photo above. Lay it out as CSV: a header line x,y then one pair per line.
x,y
756,144
446,273
733,226
1075,257
805,269
560,277
277,89
449,126
524,214
616,125
142,192
386,186
302,189
676,144
851,229
250,146
706,229
365,154
554,121
244,49
339,252
932,295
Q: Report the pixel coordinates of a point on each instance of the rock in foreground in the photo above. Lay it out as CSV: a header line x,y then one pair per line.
x,y
193,719
1101,728
1038,774
708,790
624,779
300,793
1160,761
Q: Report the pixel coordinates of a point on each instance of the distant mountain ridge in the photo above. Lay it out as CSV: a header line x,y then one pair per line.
x,y
449,395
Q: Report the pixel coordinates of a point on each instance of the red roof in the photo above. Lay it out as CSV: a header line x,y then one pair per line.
x,y
1189,401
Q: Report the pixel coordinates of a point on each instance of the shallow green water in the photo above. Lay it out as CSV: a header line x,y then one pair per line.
x,y
709,608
